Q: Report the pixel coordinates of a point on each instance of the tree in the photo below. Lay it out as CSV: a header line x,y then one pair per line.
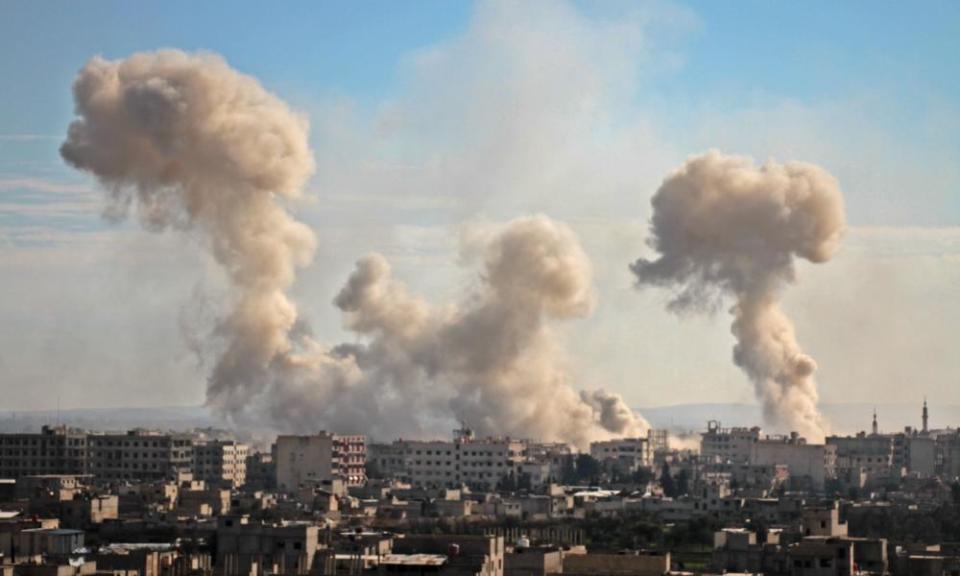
x,y
683,482
642,475
667,483
588,468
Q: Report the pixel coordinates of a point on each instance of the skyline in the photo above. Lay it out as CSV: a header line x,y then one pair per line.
x,y
445,133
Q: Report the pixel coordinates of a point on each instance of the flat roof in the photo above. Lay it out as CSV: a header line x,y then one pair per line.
x,y
414,559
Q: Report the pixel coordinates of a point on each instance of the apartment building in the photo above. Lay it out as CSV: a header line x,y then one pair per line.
x,y
812,463
55,450
139,455
727,445
220,462
864,458
318,459
465,459
625,454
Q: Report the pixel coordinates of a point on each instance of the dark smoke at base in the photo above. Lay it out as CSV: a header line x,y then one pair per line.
x,y
725,228
192,145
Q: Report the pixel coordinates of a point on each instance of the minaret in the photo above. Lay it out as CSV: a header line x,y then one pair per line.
x,y
926,415
874,421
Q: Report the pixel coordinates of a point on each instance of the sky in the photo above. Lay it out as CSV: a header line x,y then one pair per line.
x,y
430,119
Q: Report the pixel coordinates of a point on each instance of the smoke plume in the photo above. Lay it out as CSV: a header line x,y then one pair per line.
x,y
195,146
724,227
493,360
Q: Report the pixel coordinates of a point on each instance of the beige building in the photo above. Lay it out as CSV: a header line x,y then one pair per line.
x,y
220,463
318,459
464,460
248,547
626,454
814,463
727,445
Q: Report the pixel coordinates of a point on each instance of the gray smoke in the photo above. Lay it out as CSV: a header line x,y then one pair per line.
x,y
726,228
193,145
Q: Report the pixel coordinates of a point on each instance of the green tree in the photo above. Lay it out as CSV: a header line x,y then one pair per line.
x,y
667,483
642,475
588,468
683,482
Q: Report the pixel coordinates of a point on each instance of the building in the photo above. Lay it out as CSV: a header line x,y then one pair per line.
x,y
808,464
319,459
55,450
636,564
220,463
483,463
247,547
139,455
728,445
864,459
624,454
449,554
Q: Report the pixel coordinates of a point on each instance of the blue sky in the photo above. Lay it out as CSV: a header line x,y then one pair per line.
x,y
894,61
429,114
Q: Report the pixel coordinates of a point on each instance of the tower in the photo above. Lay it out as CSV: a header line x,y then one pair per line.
x,y
874,421
926,415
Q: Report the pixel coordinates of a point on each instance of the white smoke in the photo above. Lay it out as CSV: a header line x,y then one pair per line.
x,y
194,145
724,227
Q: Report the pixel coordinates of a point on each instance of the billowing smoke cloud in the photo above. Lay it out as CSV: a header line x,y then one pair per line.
x,y
194,145
495,357
724,227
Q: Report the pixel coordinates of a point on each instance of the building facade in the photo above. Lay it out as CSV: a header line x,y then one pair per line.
x,y
318,459
139,455
220,463
55,450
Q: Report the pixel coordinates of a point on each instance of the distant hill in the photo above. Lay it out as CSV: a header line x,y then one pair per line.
x,y
164,418
845,418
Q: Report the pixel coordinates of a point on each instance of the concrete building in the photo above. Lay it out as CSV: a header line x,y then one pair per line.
x,y
635,564
220,463
248,547
808,464
450,554
148,559
864,459
481,463
624,454
48,542
55,450
319,459
261,471
728,445
139,455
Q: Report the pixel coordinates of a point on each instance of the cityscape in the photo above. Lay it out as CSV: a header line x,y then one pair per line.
x,y
737,501
479,288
